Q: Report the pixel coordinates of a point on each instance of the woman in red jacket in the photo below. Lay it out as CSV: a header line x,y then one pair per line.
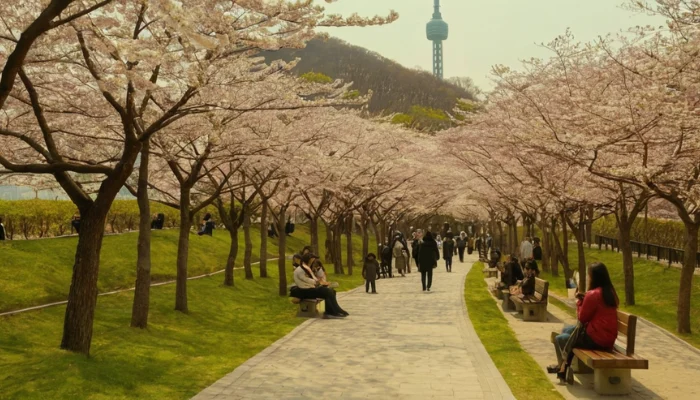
x,y
597,312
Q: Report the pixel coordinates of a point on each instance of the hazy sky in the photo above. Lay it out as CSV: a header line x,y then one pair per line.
x,y
482,32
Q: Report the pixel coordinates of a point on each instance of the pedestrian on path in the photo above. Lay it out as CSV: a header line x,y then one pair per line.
x,y
400,257
417,238
448,248
308,287
428,256
369,272
461,245
526,249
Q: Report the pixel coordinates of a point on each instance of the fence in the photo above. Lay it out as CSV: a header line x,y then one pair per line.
x,y
652,251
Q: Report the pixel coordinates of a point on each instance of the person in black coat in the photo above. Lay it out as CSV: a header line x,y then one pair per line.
x,y
448,249
2,230
428,256
537,250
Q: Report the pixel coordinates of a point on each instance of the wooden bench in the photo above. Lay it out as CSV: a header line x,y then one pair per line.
x,y
613,371
308,308
534,307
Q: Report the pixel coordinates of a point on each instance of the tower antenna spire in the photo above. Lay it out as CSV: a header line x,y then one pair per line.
x,y
437,31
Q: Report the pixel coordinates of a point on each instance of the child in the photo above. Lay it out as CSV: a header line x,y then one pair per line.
x,y
369,272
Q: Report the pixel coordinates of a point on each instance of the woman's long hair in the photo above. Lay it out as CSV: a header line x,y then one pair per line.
x,y
600,278
428,236
306,259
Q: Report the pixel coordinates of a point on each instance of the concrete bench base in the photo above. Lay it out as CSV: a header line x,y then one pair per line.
x,y
308,308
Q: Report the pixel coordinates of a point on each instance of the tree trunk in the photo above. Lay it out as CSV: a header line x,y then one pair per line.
x,y
232,255
545,245
624,232
263,239
685,290
281,253
142,292
377,236
314,234
248,247
82,298
349,225
554,253
183,250
337,248
564,254
589,225
365,237
328,243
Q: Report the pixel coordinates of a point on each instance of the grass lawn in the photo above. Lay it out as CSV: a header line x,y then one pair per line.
x,y
520,371
656,290
177,356
35,272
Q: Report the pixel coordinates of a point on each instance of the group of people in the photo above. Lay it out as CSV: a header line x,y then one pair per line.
x,y
596,327
311,282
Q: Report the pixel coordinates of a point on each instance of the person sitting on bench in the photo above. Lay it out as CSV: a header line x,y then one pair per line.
x,y
308,287
526,287
296,261
597,316
207,226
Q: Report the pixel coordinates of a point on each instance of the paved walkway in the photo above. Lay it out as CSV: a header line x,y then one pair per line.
x,y
402,344
674,366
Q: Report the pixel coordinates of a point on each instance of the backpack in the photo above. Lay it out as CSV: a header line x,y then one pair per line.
x,y
386,253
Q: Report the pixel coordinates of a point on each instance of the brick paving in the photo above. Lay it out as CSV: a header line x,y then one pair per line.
x,y
402,343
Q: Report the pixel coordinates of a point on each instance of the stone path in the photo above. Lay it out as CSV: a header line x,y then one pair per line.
x,y
674,366
402,343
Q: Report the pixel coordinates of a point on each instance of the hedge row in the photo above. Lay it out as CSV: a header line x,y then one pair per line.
x,y
30,219
665,233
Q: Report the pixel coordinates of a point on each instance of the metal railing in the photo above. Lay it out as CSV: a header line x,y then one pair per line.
x,y
648,250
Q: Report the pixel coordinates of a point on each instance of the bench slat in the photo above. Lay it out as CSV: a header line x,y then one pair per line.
x,y
602,359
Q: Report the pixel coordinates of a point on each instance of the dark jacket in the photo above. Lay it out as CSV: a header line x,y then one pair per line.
x,y
386,255
415,244
528,286
537,253
448,249
2,232
513,273
369,269
461,243
428,255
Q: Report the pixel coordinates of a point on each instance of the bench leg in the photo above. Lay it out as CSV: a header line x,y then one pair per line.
x,y
308,310
580,367
506,304
536,312
612,381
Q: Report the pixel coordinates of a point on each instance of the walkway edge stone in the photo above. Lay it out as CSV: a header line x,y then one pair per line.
x,y
487,370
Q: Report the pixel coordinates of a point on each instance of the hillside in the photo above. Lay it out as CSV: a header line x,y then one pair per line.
x,y
396,88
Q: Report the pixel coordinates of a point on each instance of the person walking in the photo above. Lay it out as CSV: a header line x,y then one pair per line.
x,y
536,250
489,242
428,256
369,272
448,249
470,245
417,236
526,249
2,230
461,245
400,254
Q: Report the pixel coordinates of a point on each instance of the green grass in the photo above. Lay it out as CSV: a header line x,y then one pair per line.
x,y
35,272
176,357
656,290
520,370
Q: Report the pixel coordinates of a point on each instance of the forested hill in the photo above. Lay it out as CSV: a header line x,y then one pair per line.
x,y
396,88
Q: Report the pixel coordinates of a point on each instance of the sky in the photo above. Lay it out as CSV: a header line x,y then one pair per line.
x,y
483,33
